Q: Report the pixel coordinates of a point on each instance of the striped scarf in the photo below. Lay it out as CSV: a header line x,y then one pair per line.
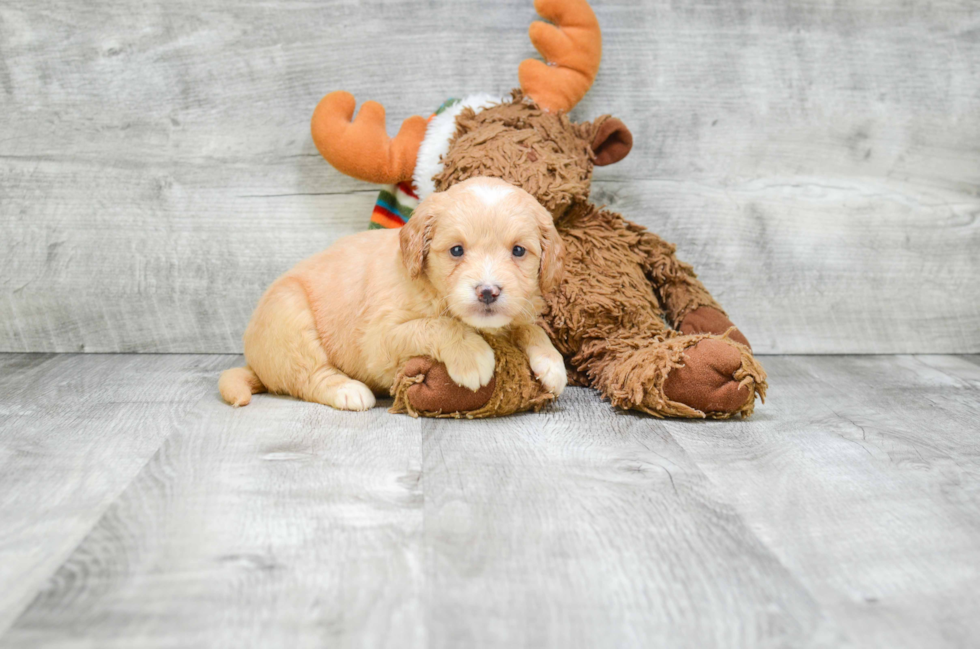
x,y
394,206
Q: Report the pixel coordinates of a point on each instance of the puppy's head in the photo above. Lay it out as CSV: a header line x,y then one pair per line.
x,y
489,249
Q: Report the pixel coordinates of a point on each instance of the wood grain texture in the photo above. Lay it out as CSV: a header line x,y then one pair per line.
x,y
817,163
283,524
860,475
588,528
137,510
968,371
74,431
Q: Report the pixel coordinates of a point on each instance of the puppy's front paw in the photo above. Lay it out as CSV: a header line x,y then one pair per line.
x,y
549,368
470,362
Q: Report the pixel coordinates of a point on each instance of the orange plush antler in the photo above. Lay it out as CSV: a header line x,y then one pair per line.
x,y
362,148
572,50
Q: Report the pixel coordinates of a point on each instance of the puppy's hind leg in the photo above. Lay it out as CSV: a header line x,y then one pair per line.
x,y
284,349
330,386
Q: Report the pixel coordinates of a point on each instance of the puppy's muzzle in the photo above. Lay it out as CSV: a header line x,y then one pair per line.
x,y
487,293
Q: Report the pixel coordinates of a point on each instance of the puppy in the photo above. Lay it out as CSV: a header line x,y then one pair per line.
x,y
337,328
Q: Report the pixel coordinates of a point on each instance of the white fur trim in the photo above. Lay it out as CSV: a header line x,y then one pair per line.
x,y
438,134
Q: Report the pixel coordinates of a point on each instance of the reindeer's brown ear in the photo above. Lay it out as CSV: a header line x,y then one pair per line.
x,y
612,141
416,235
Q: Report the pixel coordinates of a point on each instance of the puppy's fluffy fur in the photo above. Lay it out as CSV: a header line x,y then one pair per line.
x,y
337,327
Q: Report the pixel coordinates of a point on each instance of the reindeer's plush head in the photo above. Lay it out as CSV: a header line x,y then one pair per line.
x,y
526,140
542,152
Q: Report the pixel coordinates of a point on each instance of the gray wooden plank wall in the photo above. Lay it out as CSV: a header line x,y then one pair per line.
x,y
842,514
819,163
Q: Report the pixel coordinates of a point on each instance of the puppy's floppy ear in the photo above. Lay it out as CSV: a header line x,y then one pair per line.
x,y
552,250
416,235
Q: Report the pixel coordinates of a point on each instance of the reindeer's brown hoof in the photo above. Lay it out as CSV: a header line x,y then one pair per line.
x,y
438,393
707,380
708,320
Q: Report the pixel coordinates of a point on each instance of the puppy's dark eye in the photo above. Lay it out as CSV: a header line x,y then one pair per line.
x,y
456,251
519,251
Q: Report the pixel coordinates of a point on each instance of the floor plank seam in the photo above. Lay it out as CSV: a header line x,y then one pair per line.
x,y
96,520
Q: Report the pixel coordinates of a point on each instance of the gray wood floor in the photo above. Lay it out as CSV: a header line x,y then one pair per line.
x,y
137,510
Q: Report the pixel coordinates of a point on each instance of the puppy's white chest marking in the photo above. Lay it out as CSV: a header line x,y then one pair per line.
x,y
490,194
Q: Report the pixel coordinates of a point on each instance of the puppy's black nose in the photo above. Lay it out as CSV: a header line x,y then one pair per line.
x,y
487,294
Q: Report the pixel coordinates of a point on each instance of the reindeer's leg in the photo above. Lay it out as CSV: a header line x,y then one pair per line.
x,y
607,320
675,375
424,387
688,305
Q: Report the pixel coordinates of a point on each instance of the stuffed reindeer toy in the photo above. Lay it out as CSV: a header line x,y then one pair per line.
x,y
630,319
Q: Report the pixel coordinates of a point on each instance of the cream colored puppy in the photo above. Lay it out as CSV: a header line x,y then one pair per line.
x,y
337,328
